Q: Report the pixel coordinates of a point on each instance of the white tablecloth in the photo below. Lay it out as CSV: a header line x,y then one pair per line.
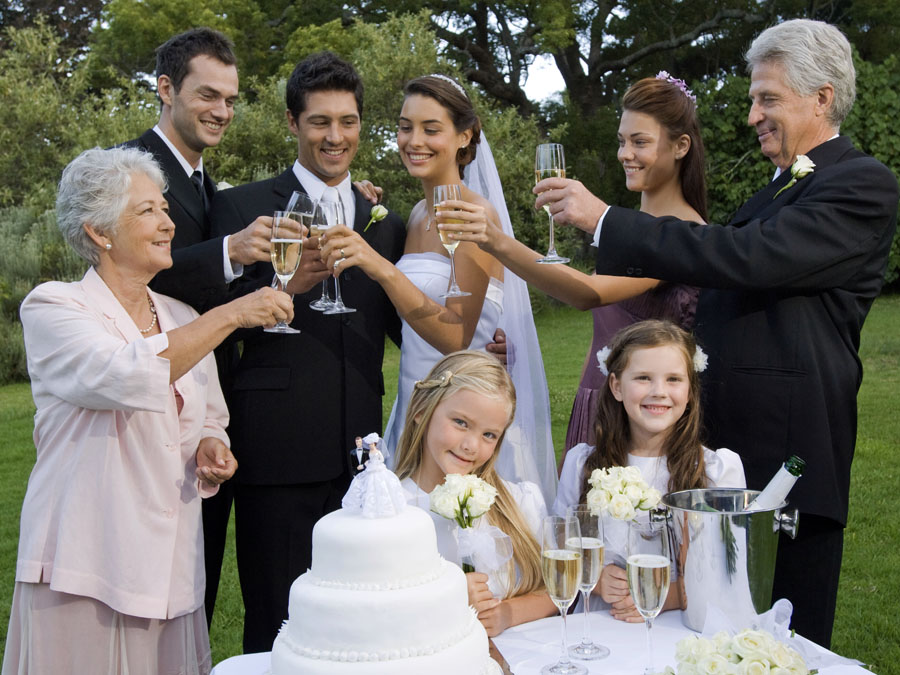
x,y
527,648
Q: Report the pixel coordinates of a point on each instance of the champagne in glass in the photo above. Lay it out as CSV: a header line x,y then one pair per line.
x,y
286,246
561,570
591,546
443,193
550,162
329,214
647,568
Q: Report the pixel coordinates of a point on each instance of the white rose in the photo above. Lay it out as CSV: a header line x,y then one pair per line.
x,y
780,655
595,477
650,499
620,508
753,667
481,499
444,504
714,664
635,494
632,474
597,501
802,167
751,645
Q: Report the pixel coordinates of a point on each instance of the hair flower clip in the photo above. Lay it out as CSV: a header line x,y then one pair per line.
x,y
602,355
700,360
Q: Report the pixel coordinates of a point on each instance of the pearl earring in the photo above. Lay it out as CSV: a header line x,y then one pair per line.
x,y
108,246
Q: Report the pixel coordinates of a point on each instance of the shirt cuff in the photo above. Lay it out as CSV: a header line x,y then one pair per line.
x,y
232,270
596,241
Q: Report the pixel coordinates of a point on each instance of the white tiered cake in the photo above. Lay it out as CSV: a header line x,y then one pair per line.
x,y
379,598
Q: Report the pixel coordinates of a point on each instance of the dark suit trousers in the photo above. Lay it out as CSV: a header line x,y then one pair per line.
x,y
273,534
807,570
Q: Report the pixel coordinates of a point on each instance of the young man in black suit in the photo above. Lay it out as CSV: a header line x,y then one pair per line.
x,y
197,84
300,400
787,286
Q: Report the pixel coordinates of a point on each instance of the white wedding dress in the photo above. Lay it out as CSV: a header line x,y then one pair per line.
x,y
430,272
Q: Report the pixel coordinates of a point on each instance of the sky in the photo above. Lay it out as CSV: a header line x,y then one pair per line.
x,y
544,79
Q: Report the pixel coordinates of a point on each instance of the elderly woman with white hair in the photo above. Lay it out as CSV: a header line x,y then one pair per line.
x,y
130,434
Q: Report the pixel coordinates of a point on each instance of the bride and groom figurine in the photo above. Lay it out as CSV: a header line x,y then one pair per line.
x,y
375,491
366,449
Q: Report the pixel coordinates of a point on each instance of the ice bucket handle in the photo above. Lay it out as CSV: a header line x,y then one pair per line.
x,y
660,515
787,520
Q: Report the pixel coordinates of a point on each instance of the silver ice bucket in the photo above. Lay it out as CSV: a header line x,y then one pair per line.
x,y
725,556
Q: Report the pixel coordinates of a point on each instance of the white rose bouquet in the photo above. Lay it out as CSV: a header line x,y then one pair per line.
x,y
750,652
621,492
462,499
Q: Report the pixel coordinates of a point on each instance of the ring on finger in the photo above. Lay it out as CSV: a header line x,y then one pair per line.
x,y
343,255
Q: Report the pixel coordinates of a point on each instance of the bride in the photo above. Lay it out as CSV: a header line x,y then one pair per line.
x,y
440,141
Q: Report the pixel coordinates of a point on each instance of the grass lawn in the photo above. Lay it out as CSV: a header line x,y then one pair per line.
x,y
866,626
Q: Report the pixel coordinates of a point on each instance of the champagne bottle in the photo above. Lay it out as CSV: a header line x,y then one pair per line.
x,y
777,489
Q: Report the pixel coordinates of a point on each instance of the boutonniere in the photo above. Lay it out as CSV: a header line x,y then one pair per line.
x,y
223,185
377,214
799,169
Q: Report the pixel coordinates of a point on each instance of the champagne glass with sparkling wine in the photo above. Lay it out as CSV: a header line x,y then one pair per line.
x,y
286,247
328,214
647,567
550,162
561,569
441,194
591,565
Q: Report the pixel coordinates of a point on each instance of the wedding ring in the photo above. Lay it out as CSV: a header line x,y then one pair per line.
x,y
343,255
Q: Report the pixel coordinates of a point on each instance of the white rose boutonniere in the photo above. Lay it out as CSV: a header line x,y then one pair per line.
x,y
377,214
799,169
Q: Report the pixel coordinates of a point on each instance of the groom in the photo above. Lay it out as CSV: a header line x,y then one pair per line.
x,y
300,400
787,286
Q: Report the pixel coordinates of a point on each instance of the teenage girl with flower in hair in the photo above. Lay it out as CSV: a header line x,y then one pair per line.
x,y
662,155
455,423
648,416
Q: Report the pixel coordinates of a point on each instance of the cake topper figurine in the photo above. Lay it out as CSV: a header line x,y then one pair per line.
x,y
375,492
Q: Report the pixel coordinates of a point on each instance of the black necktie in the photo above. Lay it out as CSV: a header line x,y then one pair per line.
x,y
197,180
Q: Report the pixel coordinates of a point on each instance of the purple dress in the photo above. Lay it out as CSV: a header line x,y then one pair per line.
x,y
675,302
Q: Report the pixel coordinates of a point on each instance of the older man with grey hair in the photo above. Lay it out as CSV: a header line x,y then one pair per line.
x,y
787,286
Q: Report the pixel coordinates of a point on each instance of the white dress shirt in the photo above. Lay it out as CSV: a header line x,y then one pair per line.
x,y
315,188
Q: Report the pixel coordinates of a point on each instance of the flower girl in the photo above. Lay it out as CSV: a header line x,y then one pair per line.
x,y
648,416
455,423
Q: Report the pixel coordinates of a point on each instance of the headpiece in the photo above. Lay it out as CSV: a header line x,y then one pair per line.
x,y
663,75
455,84
699,361
441,380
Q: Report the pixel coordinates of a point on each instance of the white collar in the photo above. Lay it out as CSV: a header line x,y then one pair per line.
x,y
778,168
315,186
188,169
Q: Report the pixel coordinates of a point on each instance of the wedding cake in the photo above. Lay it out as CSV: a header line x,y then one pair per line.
x,y
379,598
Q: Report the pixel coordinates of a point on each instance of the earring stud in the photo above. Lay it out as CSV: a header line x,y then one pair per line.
x,y
108,246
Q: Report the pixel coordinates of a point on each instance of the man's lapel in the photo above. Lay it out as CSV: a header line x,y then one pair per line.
x,y
180,188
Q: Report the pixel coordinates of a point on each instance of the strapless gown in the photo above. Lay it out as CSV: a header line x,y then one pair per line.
x,y
430,272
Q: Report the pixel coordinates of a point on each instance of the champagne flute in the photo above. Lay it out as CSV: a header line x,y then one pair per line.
x,y
591,566
443,193
328,214
550,162
561,569
305,205
647,567
501,571
286,248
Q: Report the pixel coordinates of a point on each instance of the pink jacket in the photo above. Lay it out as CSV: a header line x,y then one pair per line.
x,y
112,509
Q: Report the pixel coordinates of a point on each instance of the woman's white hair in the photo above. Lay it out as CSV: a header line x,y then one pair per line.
x,y
813,53
94,190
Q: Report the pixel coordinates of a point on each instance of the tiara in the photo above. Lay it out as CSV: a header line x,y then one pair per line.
x,y
663,75
456,84
699,361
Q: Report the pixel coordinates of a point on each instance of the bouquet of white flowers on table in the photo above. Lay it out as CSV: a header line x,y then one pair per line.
x,y
620,491
463,499
749,652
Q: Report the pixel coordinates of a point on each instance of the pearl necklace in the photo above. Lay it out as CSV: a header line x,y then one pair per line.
x,y
146,330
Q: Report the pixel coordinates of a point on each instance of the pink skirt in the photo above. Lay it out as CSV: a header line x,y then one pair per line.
x,y
52,633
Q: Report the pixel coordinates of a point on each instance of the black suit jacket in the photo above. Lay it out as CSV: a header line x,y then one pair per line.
x,y
196,276
787,286
299,401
